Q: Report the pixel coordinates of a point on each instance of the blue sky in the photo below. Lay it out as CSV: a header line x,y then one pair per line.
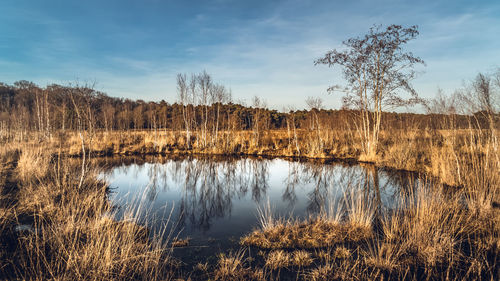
x,y
134,49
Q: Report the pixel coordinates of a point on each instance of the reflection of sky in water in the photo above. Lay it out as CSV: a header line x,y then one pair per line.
x,y
219,199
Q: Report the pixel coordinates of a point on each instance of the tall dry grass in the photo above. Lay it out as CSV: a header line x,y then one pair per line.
x,y
434,233
72,231
439,153
348,219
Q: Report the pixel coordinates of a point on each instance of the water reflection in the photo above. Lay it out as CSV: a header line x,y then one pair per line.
x,y
218,197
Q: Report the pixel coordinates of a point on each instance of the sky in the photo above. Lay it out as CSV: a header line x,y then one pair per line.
x,y
135,48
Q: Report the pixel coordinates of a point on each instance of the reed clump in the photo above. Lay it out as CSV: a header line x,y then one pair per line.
x,y
315,233
235,266
278,259
302,258
349,222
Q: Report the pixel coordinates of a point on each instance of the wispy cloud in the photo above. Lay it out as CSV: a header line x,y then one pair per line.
x,y
268,51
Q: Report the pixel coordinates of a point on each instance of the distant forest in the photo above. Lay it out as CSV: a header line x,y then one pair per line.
x,y
27,106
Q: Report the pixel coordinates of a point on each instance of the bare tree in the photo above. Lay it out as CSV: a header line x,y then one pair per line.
x,y
183,92
219,95
315,104
496,81
290,121
108,112
442,104
257,105
192,99
47,114
377,70
138,116
204,84
485,95
81,97
480,100
481,95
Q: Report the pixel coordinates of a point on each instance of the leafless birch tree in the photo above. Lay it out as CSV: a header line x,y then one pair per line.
x,y
377,70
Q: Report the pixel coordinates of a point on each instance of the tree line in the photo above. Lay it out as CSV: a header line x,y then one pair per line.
x,y
202,106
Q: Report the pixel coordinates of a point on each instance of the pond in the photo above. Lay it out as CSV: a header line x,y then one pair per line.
x,y
214,201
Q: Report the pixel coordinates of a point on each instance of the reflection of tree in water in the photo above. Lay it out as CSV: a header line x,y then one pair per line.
x,y
334,182
259,179
292,180
322,178
208,186
154,181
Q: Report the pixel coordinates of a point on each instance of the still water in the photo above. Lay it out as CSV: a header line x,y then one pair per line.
x,y
214,201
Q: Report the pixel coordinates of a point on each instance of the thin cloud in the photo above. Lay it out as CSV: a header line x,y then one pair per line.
x,y
268,53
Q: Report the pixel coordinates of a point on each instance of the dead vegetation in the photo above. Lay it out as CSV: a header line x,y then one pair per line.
x,y
317,232
68,230
59,229
434,232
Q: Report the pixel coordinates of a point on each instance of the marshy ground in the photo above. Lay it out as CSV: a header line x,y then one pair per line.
x,y
57,222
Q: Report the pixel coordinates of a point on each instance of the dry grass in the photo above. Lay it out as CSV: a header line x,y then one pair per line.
x,y
434,233
278,259
384,256
302,258
324,230
342,252
437,153
99,249
434,152
73,234
234,266
33,163
314,233
321,273
176,242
